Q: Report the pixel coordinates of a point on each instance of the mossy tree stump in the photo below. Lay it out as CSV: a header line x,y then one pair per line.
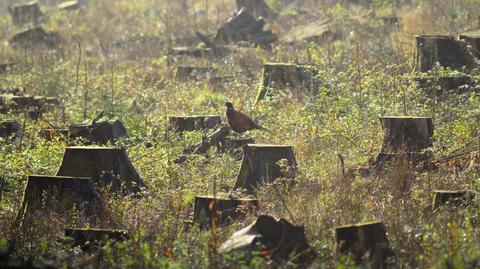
x,y
445,50
447,197
258,8
90,237
210,211
106,166
29,13
62,195
366,242
278,239
184,73
98,132
259,165
193,123
300,79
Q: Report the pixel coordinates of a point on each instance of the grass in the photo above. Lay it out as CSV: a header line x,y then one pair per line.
x,y
365,74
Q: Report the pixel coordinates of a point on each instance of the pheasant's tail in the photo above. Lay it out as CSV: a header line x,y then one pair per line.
x,y
266,130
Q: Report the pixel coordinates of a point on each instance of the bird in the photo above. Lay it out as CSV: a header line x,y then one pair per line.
x,y
240,122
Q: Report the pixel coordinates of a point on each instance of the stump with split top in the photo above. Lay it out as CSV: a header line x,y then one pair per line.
x,y
300,79
212,211
259,165
366,242
106,166
62,195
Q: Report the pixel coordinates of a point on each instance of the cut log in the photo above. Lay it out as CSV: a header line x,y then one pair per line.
x,y
214,212
106,166
256,7
10,130
185,73
193,123
217,138
300,79
92,237
451,198
62,195
99,132
259,165
366,242
28,13
36,36
278,239
445,50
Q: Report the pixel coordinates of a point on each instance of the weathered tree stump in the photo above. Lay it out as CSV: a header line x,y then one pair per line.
x,y
366,242
62,194
106,166
10,129
446,84
185,73
210,211
36,36
193,123
406,134
473,44
300,79
452,198
25,13
69,5
99,132
51,134
278,239
442,49
90,237
259,165
256,7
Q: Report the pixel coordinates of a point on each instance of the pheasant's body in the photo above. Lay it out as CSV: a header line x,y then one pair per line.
x,y
240,122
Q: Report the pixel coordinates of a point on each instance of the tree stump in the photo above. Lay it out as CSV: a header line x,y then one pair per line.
x,y
446,84
98,132
256,7
300,79
193,123
442,49
210,211
106,166
259,165
36,36
406,134
185,73
92,237
10,129
366,242
278,239
25,13
473,44
51,134
62,195
452,198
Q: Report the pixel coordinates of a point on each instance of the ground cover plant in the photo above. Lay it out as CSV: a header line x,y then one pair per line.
x,y
114,57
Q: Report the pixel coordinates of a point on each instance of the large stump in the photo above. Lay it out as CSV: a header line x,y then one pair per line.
x,y
36,36
62,195
278,239
25,13
106,166
259,165
98,132
445,50
300,79
366,242
452,198
256,7
193,123
210,211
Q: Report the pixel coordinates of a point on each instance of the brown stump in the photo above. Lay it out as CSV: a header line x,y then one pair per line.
x,y
185,73
193,123
25,13
278,239
300,79
473,44
453,198
89,237
98,132
36,36
442,49
106,166
62,195
256,7
210,211
366,242
259,165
